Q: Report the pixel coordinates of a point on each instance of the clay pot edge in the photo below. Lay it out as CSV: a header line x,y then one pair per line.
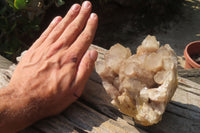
x,y
188,58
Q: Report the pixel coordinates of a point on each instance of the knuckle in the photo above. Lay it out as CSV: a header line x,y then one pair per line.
x,y
70,58
87,36
61,43
58,28
84,12
72,15
44,36
51,26
75,27
73,58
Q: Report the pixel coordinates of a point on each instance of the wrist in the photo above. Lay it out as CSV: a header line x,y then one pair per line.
x,y
6,107
16,112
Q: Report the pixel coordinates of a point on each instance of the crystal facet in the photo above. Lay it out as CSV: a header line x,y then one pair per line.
x,y
142,84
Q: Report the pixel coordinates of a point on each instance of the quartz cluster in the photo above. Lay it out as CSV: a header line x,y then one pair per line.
x,y
142,84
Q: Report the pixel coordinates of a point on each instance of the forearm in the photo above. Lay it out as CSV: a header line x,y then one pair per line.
x,y
15,113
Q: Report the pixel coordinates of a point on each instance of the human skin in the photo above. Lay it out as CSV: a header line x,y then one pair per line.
x,y
53,72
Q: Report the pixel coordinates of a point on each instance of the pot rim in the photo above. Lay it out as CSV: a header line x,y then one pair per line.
x,y
188,58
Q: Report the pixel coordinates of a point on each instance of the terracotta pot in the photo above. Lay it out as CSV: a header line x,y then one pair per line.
x,y
191,49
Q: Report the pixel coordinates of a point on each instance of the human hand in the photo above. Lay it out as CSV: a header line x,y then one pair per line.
x,y
53,72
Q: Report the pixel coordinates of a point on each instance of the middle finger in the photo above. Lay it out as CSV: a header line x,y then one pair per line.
x,y
74,29
59,29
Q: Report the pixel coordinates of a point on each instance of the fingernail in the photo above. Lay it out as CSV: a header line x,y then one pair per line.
x,y
86,4
93,16
57,19
93,55
76,7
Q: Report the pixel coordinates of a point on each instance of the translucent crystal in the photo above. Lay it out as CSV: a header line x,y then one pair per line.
x,y
149,44
140,85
